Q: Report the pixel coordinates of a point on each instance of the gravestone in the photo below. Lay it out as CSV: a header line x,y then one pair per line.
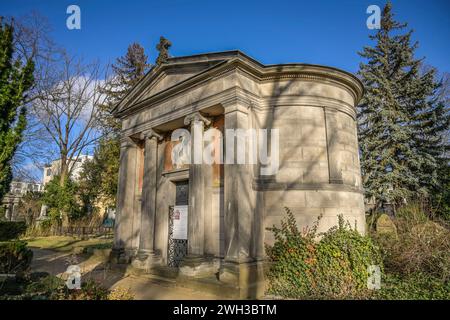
x,y
385,225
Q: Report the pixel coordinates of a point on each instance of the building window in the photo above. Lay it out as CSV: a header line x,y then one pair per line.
x,y
49,172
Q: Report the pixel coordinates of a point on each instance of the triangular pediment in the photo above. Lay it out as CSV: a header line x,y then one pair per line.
x,y
170,77
175,71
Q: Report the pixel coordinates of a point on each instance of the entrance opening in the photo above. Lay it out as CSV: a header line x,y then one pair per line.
x,y
178,216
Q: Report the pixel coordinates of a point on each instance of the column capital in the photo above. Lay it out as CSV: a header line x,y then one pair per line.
x,y
150,134
196,117
127,141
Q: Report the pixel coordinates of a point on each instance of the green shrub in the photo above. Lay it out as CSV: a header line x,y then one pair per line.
x,y
54,288
41,229
15,257
421,246
90,290
411,215
62,201
47,288
13,285
11,229
2,213
336,267
98,246
416,286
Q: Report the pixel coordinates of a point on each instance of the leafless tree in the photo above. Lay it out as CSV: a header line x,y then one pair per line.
x,y
32,41
62,106
66,106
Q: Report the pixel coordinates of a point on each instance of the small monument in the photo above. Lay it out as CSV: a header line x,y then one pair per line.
x,y
385,225
43,215
163,48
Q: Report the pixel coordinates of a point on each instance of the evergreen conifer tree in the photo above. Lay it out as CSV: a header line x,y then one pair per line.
x,y
401,121
127,71
15,81
100,175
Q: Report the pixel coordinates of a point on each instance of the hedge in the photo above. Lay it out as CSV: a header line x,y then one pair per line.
x,y
334,267
15,257
10,230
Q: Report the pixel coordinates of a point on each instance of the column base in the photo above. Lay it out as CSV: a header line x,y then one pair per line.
x,y
121,255
146,259
198,267
235,280
246,277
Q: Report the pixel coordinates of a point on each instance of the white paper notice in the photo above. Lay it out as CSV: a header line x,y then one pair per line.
x,y
180,214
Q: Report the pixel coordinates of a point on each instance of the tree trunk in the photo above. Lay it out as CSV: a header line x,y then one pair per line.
x,y
64,172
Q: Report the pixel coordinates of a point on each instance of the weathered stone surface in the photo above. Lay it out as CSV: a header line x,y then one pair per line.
x,y
319,174
198,267
385,225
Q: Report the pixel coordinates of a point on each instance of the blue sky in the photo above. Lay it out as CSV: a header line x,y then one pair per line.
x,y
319,31
328,32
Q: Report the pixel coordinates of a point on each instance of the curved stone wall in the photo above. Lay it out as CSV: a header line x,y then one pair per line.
x,y
229,209
319,170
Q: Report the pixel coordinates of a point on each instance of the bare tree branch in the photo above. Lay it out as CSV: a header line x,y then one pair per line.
x,y
68,109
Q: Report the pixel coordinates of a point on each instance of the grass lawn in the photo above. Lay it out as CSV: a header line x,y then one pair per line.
x,y
65,243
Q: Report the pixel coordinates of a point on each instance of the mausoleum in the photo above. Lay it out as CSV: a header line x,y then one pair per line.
x,y
205,223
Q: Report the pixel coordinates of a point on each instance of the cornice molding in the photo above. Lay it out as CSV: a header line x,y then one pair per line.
x,y
261,185
258,72
227,97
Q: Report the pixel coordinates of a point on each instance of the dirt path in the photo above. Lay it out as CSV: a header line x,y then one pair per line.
x,y
143,287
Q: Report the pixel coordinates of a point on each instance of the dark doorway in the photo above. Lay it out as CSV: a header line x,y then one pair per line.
x,y
177,248
182,193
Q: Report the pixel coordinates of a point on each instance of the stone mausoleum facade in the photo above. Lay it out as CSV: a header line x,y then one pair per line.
x,y
205,224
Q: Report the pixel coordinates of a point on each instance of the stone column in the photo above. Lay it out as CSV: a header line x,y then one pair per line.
x,y
148,202
239,268
14,212
238,192
196,230
123,231
8,212
195,263
332,132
